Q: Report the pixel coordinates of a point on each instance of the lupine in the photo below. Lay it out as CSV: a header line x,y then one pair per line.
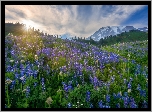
x,y
100,104
117,105
88,96
91,105
27,91
142,93
43,86
108,98
145,104
13,84
129,85
138,87
133,104
69,105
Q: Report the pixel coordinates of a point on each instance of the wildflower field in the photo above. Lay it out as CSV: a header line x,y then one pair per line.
x,y
48,72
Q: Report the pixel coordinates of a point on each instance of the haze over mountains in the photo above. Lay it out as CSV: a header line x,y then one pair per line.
x,y
113,30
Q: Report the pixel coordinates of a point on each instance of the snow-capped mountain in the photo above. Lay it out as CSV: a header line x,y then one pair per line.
x,y
113,30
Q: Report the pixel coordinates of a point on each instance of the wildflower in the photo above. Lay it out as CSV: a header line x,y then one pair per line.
x,y
13,84
11,61
114,95
8,81
69,105
60,73
133,104
138,87
145,104
129,85
124,81
22,61
43,86
125,94
125,102
27,91
36,57
24,90
108,98
118,105
142,93
49,100
88,96
18,90
100,104
22,78
91,106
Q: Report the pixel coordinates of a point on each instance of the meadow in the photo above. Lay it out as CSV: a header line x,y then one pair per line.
x,y
48,72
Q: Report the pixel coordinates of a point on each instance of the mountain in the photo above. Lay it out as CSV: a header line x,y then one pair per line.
x,y
113,30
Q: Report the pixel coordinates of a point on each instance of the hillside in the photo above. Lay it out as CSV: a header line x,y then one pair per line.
x,y
50,72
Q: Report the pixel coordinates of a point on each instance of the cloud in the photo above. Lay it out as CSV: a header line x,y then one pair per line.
x,y
74,20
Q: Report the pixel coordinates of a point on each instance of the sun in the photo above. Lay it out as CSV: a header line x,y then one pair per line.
x,y
29,23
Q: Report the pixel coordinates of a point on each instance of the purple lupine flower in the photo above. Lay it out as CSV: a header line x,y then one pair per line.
x,y
95,80
133,104
117,105
112,79
107,106
35,74
13,84
126,102
108,98
125,94
91,105
100,104
145,104
35,84
129,85
43,86
119,95
138,87
88,96
131,79
27,91
69,105
142,93
114,95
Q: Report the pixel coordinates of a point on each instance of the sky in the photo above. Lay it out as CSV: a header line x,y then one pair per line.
x,y
77,20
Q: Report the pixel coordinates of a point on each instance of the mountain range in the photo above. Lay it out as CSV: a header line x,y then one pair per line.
x,y
113,30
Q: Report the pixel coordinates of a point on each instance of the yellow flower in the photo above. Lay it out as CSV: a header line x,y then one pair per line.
x,y
49,100
36,57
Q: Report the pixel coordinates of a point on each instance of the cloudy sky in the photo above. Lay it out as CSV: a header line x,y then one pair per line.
x,y
77,20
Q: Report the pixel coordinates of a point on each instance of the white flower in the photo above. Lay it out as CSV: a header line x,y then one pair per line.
x,y
22,61
129,90
49,100
8,81
24,90
36,57
11,61
22,78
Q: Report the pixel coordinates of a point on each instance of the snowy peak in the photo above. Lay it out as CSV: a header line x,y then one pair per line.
x,y
113,30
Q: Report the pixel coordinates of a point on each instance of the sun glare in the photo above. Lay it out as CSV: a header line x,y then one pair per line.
x,y
29,23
